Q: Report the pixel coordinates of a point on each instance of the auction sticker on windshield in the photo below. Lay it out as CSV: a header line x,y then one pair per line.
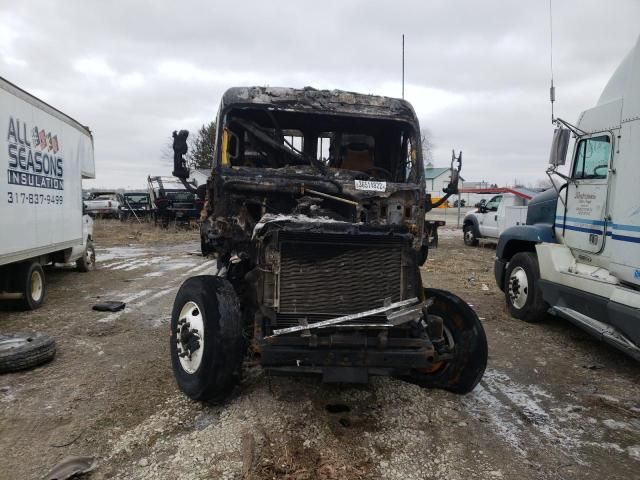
x,y
371,186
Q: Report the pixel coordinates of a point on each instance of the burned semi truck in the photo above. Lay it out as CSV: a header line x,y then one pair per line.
x,y
315,213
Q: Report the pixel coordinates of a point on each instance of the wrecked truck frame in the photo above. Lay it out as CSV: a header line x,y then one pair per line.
x,y
315,213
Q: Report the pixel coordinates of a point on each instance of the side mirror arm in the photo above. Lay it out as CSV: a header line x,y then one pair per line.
x,y
452,187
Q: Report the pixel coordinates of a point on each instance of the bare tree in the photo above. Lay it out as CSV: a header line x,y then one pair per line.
x,y
427,145
544,183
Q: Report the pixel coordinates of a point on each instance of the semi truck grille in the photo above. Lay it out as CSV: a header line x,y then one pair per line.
x,y
338,277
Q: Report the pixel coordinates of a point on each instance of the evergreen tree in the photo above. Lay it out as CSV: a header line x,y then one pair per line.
x,y
201,146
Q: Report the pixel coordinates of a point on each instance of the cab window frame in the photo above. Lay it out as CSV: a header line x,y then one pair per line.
x,y
575,175
498,199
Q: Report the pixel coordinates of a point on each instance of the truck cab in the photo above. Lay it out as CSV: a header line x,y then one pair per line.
x,y
578,256
315,213
491,218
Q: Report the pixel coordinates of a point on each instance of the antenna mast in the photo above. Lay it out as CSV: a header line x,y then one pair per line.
x,y
403,66
552,89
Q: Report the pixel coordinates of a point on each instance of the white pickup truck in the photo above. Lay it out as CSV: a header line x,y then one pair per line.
x,y
505,209
103,204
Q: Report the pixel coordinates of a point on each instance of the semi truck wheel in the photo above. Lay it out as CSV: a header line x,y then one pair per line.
x,y
522,288
32,285
422,255
87,262
465,337
207,343
469,235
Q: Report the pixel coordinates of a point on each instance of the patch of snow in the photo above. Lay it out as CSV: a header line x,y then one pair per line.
x,y
519,414
117,253
615,425
300,218
634,452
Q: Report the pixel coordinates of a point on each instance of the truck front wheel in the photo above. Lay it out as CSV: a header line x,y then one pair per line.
x,y
32,285
207,343
465,338
522,288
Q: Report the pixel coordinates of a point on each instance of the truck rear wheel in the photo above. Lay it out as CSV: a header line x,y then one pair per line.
x,y
469,235
522,288
465,337
207,342
32,285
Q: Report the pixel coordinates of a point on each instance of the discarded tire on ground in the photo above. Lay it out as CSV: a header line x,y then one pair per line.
x,y
465,336
207,342
24,350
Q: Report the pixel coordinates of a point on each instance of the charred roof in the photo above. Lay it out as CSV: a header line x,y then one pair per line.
x,y
337,102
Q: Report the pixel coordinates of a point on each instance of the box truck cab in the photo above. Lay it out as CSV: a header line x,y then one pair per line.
x,y
45,156
579,254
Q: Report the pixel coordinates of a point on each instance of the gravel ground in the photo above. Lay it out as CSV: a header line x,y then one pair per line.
x,y
554,403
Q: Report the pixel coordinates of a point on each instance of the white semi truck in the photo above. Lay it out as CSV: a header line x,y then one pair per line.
x,y
578,256
45,156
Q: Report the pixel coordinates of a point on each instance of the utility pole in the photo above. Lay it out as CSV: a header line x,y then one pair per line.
x,y
403,66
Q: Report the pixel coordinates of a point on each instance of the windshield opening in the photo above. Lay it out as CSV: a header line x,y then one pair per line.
x,y
136,198
183,196
380,148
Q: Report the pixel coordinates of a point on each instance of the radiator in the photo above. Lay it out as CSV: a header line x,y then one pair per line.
x,y
338,275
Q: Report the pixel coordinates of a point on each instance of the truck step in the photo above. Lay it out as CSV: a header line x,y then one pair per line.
x,y
599,329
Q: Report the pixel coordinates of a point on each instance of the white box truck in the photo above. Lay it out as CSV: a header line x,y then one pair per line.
x,y
45,156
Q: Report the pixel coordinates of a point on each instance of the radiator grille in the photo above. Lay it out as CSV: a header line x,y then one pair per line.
x,y
338,278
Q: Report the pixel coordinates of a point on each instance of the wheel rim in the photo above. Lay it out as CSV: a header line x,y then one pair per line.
x,y
190,337
518,287
468,236
37,286
7,344
90,257
451,345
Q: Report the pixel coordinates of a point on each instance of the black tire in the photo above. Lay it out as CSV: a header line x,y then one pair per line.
x,y
20,351
224,344
422,255
534,308
462,373
469,235
32,285
434,241
87,262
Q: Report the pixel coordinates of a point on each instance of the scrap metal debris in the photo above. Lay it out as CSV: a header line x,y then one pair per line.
x,y
109,306
71,466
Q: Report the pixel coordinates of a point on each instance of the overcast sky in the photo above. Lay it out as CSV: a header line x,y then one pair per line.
x,y
477,72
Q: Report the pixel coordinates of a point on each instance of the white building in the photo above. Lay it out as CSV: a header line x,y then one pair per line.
x,y
437,178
